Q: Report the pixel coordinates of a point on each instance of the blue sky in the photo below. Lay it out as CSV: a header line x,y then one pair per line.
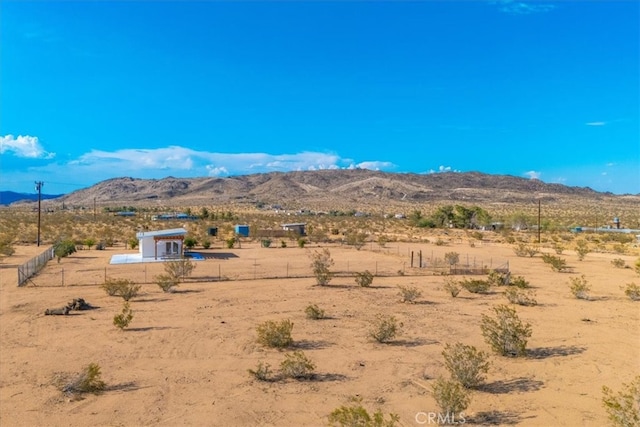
x,y
93,90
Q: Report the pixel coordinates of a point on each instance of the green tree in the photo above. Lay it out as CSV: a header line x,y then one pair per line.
x,y
64,249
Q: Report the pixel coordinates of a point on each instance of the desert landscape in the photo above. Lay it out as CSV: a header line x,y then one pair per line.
x,y
194,355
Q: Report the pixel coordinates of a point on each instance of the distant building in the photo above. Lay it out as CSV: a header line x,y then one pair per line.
x,y
161,243
298,228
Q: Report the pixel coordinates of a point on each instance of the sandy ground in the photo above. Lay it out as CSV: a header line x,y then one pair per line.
x,y
185,356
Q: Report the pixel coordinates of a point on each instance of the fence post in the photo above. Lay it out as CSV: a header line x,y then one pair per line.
x,y
287,270
411,259
62,271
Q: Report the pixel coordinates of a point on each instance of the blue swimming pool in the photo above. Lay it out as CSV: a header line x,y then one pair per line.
x,y
194,255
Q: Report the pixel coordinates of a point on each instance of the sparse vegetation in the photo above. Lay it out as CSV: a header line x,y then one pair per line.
x,y
122,320
465,364
275,334
623,407
262,372
63,249
476,286
451,397
364,279
505,332
297,365
166,282
582,249
579,287
636,266
385,328
525,250
451,286
409,293
89,380
452,258
124,288
520,296
321,263
618,263
314,312
356,415
632,291
556,263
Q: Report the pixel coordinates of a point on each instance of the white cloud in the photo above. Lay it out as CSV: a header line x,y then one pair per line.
x,y
374,165
533,174
24,146
596,123
522,8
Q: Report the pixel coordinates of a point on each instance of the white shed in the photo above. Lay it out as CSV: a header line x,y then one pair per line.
x,y
161,243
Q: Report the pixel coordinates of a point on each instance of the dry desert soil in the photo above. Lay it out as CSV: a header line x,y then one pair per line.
x,y
185,357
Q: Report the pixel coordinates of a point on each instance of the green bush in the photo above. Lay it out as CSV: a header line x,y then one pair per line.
x,y
357,416
452,258
451,397
519,282
476,286
556,263
230,242
520,296
89,380
505,332
122,320
364,279
451,286
124,288
582,249
579,287
632,291
166,282
636,266
523,250
314,312
206,244
384,328
275,334
409,293
296,365
190,242
321,263
64,249
265,243
623,408
465,364
179,269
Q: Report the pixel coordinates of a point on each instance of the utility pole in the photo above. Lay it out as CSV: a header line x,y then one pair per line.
x,y
539,222
39,185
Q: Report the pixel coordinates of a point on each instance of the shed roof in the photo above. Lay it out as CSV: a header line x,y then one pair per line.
x,y
167,232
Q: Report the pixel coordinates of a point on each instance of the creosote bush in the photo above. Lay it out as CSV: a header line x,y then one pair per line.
x,y
476,286
124,288
556,263
632,291
356,415
122,320
465,364
451,286
505,332
409,293
297,365
364,279
166,282
385,328
579,287
451,397
314,312
321,263
520,296
582,249
618,263
452,258
89,380
523,250
275,334
623,408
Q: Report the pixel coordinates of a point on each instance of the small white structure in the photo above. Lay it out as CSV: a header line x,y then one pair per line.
x,y
297,227
161,243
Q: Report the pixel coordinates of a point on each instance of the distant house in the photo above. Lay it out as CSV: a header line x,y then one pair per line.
x,y
125,213
298,228
161,243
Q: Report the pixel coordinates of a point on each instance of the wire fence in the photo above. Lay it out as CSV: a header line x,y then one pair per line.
x,y
30,268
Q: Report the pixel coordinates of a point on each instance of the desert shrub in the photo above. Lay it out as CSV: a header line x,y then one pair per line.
x,y
579,287
357,240
632,291
133,243
265,243
102,245
582,249
206,244
523,250
283,244
505,332
556,263
122,320
520,296
190,242
452,258
558,248
619,248
230,242
89,380
440,242
409,293
364,279
357,416
124,288
297,365
384,328
451,396
179,269
89,242
519,282
496,278
451,286
465,364
63,249
301,242
636,266
314,312
6,246
476,286
262,372
166,282
618,263
275,334
321,263
623,408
